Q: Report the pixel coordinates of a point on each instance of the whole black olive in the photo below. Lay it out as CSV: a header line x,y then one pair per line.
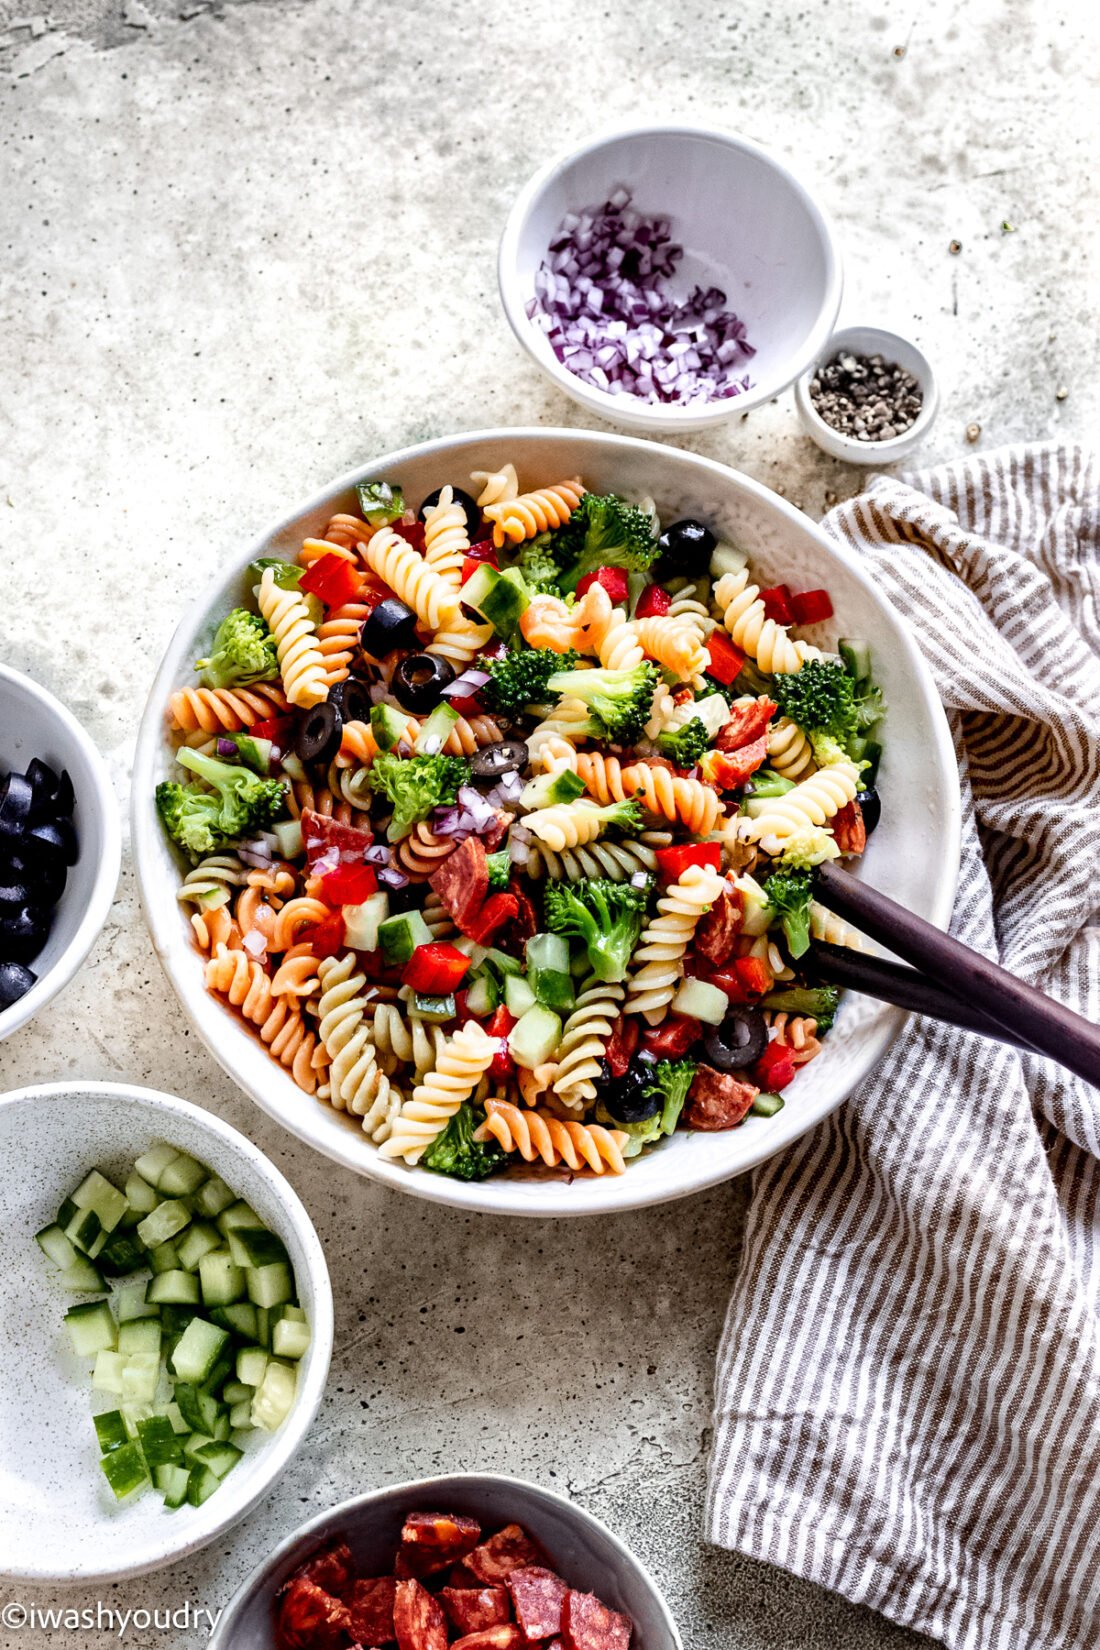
x,y
419,680
53,839
319,733
471,508
630,1098
352,699
23,933
870,807
16,796
684,549
15,982
494,761
739,1041
47,877
12,893
388,626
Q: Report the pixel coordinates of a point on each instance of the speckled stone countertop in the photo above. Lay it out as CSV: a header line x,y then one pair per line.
x,y
250,245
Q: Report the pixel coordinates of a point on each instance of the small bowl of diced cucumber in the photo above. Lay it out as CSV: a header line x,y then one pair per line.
x,y
173,1317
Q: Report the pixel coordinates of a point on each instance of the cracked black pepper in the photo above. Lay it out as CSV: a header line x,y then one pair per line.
x,y
865,397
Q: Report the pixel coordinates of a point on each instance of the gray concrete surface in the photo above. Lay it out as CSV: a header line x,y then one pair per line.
x,y
248,245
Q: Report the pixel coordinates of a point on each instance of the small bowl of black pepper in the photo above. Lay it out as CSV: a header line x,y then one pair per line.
x,y
870,399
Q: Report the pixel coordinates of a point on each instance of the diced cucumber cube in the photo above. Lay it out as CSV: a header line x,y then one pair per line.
x,y
183,1176
436,730
165,1258
130,1302
726,558
220,1373
240,1416
56,1246
198,1409
518,995
856,655
237,1216
85,1232
212,1197
124,1470
295,1313
222,1428
192,1445
252,1362
91,1329
140,1195
122,1253
274,1396
290,1339
235,1392
270,1285
766,1105
175,1416
482,997
362,922
239,1319
263,1327
288,834
223,1282
140,1373
172,1483
165,1221
198,1350
152,1164
174,1320
400,935
534,1037
548,971
159,1443
201,1484
198,1240
96,1192
107,1374
700,1000
174,1289
219,1457
139,1335
82,1279
133,1414
433,1008
255,1247
110,1430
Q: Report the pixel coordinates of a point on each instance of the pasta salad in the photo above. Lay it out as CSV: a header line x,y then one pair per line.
x,y
500,816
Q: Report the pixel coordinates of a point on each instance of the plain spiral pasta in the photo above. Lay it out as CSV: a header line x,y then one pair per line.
x,y
578,1145
661,954
456,1073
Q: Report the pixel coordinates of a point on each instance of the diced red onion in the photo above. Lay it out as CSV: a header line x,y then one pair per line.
x,y
376,854
468,683
328,861
255,944
431,746
257,854
639,880
377,692
392,877
518,852
227,747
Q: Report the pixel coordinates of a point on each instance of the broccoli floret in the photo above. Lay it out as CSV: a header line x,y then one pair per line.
x,y
455,1152
621,699
243,652
804,849
380,503
684,746
816,1002
828,751
671,1080
240,802
500,871
789,894
538,565
604,531
415,785
607,916
823,699
521,678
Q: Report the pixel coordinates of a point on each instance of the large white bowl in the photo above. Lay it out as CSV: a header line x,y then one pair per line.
x,y
747,225
581,1548
60,1520
34,723
913,855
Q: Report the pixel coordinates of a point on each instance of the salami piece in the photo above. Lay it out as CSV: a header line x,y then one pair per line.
x,y
370,1605
331,1570
462,881
443,1532
849,830
472,1609
320,834
537,1596
418,1619
507,1637
747,723
717,929
716,1100
463,1577
510,1549
586,1624
311,1619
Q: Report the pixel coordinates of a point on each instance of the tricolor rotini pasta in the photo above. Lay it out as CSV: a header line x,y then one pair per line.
x,y
507,856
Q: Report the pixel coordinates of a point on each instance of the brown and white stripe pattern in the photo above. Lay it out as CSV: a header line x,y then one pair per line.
x,y
908,1386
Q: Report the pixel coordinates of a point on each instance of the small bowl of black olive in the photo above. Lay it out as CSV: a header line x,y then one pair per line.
x,y
60,847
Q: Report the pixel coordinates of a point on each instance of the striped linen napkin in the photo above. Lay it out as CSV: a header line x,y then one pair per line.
x,y
908,1386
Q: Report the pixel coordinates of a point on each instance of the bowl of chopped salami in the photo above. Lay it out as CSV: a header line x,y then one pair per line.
x,y
473,1561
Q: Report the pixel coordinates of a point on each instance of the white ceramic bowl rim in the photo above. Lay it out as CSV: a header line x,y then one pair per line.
x,y
221,1512
427,1488
883,342
643,413
106,874
500,1195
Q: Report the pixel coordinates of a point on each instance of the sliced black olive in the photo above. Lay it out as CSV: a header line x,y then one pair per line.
x,y
16,796
15,982
23,933
52,840
319,733
471,508
12,893
419,680
870,807
630,1098
45,785
47,877
684,548
739,1041
492,763
352,699
388,626
65,800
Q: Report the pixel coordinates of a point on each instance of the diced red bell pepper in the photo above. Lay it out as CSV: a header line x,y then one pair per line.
x,y
613,580
775,1068
729,770
497,910
325,939
620,1047
777,604
435,969
279,729
370,597
412,532
811,606
502,1066
726,979
754,974
672,1039
674,861
483,551
462,1007
725,659
653,603
333,580
349,885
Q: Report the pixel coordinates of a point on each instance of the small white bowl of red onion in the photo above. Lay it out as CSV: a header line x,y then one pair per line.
x,y
668,277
